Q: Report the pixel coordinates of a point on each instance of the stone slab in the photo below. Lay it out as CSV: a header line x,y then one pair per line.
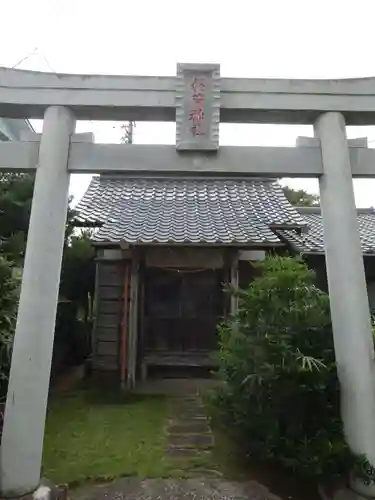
x,y
191,412
182,452
195,426
174,489
191,440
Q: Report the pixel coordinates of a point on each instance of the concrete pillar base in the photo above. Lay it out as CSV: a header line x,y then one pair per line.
x,y
362,489
45,491
346,494
342,493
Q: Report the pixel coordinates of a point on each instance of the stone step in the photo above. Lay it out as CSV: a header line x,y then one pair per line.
x,y
190,413
191,399
176,452
202,472
188,431
195,426
201,441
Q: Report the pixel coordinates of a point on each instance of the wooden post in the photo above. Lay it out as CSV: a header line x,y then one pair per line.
x,y
141,311
96,314
234,282
124,329
133,321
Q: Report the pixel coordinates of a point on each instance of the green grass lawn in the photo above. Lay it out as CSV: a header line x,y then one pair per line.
x,y
91,435
94,435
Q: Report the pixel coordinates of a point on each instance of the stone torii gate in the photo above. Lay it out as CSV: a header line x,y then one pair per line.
x,y
197,98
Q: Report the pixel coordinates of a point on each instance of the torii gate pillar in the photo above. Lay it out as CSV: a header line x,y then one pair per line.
x,y
347,287
25,413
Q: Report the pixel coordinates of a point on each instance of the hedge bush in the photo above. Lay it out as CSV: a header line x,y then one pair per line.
x,y
280,393
8,312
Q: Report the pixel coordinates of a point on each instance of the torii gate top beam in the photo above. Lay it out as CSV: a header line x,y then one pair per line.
x,y
26,94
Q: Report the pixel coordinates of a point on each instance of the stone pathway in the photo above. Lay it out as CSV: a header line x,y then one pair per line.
x,y
174,489
188,431
189,438
189,442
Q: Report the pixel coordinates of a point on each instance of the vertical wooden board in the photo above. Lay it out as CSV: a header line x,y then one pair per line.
x,y
107,333
110,292
107,348
110,273
107,318
106,363
109,307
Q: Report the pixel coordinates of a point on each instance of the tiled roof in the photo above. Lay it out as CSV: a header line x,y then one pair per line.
x,y
186,210
312,241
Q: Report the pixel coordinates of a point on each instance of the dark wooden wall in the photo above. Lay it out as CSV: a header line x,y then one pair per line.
x,y
106,335
110,276
317,263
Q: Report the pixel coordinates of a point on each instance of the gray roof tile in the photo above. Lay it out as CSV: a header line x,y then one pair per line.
x,y
312,241
186,210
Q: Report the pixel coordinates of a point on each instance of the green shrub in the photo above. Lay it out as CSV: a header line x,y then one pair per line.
x,y
8,311
280,393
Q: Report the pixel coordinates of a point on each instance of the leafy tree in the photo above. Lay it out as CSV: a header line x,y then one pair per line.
x,y
73,323
15,204
78,268
16,191
8,309
300,197
78,272
280,393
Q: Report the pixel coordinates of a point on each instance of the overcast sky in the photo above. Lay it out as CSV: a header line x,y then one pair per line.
x,y
264,38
